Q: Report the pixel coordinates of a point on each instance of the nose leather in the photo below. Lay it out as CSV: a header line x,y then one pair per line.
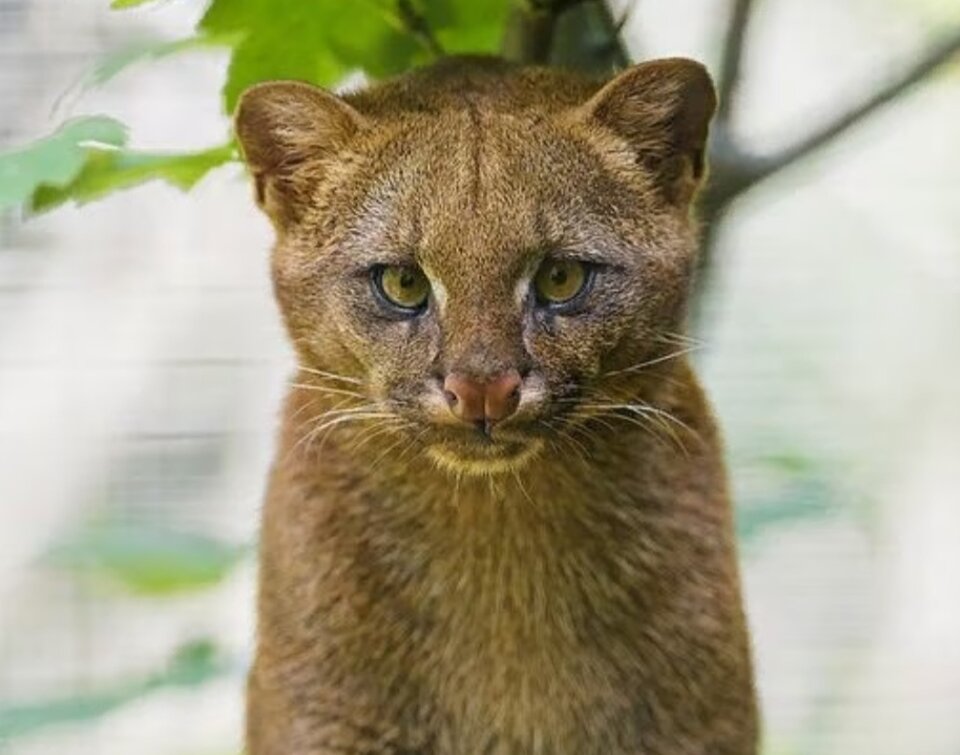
x,y
483,402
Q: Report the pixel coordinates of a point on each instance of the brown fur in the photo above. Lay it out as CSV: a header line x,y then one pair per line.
x,y
571,586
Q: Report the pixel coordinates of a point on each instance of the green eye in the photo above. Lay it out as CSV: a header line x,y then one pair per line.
x,y
403,286
559,281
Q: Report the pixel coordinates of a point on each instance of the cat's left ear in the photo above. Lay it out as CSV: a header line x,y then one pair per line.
x,y
290,132
662,108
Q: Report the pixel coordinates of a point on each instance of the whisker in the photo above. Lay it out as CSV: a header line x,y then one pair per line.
x,y
648,409
456,488
580,451
642,422
386,452
313,419
326,389
336,411
324,422
654,361
589,434
594,416
516,476
652,414
307,405
346,418
561,433
413,444
330,375
678,338
376,431
654,421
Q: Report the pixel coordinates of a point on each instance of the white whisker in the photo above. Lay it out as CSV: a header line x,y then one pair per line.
x,y
330,375
652,362
327,389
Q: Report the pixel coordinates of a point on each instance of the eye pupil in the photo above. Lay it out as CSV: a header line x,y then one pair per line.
x,y
558,276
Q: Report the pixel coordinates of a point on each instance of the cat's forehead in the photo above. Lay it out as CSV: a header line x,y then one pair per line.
x,y
488,189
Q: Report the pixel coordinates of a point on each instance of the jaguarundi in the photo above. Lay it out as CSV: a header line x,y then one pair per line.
x,y
498,520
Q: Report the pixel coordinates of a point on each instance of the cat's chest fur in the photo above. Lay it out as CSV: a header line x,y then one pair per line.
x,y
578,609
520,624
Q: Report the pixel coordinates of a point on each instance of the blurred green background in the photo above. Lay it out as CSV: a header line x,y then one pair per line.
x,y
142,362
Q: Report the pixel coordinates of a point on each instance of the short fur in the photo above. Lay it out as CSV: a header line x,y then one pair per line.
x,y
568,586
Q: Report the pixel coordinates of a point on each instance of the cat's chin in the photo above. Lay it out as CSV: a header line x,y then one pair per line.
x,y
484,459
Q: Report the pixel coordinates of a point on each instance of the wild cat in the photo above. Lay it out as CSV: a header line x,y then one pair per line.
x,y
498,520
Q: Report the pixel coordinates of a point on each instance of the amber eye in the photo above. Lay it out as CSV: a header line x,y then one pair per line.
x,y
403,286
559,281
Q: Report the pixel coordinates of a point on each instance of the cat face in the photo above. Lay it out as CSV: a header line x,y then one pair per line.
x,y
481,271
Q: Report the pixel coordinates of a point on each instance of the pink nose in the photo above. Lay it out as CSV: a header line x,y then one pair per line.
x,y
483,403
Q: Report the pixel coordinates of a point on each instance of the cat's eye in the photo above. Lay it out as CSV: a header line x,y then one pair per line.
x,y
559,282
402,286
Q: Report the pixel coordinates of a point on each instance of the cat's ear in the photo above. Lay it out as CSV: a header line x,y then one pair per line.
x,y
662,108
288,131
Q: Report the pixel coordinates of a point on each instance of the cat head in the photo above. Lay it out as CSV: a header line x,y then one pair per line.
x,y
479,250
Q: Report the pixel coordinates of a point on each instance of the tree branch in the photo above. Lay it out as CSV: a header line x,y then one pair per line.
x,y
734,43
580,34
734,170
531,29
529,35
418,26
758,168
613,53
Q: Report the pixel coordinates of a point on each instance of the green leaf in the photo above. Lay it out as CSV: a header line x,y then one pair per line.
x,y
108,170
476,26
321,42
124,4
146,560
85,160
55,160
119,61
192,665
800,500
318,42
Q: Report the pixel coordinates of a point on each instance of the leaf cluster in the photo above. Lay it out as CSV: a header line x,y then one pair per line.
x,y
318,41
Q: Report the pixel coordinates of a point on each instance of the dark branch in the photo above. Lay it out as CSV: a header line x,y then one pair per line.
x,y
734,43
579,34
614,51
529,35
935,56
418,26
734,170
587,39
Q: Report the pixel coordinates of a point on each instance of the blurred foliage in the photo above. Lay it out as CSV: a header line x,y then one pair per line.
x,y
107,170
794,487
318,42
121,4
268,39
116,62
86,159
56,160
145,559
193,664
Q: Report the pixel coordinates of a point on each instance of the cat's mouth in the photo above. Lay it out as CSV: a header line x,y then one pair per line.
x,y
484,457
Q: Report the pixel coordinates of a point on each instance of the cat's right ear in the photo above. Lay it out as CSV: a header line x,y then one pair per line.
x,y
662,109
289,132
